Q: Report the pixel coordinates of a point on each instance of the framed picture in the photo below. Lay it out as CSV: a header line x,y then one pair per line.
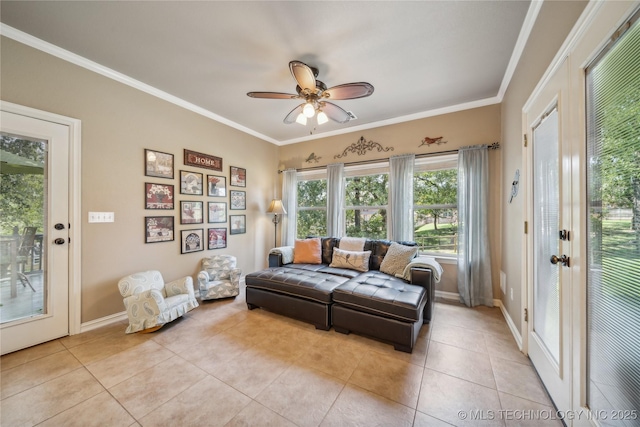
x,y
238,176
238,224
158,196
217,212
158,229
191,241
238,200
158,164
217,238
193,158
191,183
191,213
216,186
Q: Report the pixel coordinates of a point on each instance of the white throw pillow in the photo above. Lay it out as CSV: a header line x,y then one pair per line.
x,y
352,260
397,258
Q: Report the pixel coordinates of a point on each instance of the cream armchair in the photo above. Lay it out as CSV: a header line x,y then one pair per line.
x,y
219,277
151,303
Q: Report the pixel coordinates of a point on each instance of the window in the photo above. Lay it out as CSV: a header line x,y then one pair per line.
x,y
366,205
435,213
367,199
312,207
613,243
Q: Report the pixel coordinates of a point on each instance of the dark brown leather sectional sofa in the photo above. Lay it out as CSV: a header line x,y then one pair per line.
x,y
370,303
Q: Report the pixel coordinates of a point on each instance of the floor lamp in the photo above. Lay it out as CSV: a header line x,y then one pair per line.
x,y
276,209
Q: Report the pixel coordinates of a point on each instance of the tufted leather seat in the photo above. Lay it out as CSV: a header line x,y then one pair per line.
x,y
378,293
313,285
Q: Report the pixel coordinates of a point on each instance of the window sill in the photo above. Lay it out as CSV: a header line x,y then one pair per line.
x,y
442,259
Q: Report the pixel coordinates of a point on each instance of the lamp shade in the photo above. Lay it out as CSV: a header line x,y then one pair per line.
x,y
276,207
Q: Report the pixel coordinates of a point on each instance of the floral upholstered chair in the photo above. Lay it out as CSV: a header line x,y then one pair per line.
x,y
151,303
219,277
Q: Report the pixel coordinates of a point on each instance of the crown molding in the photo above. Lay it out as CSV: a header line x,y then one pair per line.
x,y
58,52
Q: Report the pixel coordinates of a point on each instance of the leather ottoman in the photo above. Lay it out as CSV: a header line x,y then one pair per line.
x,y
380,306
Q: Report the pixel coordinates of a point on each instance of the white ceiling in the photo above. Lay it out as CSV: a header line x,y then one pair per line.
x,y
422,57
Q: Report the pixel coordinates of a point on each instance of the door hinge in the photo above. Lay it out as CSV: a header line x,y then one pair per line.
x,y
526,315
526,227
525,139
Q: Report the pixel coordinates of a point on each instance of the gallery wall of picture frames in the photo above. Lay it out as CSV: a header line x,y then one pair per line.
x,y
202,198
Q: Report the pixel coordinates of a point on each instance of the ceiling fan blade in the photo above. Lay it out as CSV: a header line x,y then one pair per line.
x,y
272,95
293,115
349,91
335,113
303,75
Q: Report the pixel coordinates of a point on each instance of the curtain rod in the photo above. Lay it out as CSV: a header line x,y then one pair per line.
x,y
494,146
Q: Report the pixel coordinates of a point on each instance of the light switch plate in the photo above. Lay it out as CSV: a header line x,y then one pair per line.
x,y
101,217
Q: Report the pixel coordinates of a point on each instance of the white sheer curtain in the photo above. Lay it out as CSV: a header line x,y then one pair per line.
x,y
474,260
335,200
401,197
290,203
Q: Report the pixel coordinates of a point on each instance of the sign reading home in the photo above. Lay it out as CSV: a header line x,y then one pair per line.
x,y
192,158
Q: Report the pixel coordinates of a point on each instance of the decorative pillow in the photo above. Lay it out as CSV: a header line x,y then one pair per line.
x,y
307,251
397,258
352,260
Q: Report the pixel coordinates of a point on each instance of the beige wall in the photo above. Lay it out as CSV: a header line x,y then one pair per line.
x,y
555,20
118,122
469,127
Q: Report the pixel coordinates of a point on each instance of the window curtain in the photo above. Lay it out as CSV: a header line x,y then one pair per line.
x,y
474,260
290,204
401,197
335,199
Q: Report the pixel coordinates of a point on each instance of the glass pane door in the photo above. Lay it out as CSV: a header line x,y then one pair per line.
x,y
613,250
22,227
546,220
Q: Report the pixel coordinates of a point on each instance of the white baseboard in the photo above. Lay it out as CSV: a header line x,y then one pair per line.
x,y
512,326
103,321
451,296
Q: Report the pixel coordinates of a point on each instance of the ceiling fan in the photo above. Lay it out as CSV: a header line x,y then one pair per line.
x,y
316,96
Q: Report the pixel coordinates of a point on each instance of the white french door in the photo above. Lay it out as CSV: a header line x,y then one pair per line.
x,y
35,228
548,168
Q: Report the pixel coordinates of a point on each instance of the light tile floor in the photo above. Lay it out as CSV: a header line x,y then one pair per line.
x,y
222,365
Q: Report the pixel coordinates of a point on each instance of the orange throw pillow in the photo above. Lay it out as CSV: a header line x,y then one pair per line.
x,y
307,251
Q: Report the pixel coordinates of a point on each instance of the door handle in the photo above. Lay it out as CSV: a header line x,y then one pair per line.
x,y
564,260
59,241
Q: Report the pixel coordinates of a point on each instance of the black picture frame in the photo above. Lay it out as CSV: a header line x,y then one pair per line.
x,y
159,229
238,200
158,164
191,240
238,176
191,183
191,212
237,224
159,196
216,186
217,238
217,212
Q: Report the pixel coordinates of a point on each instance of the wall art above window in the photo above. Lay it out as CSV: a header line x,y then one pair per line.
x,y
362,147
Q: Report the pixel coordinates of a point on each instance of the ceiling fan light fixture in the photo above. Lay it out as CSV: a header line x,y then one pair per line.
x,y
322,117
302,119
309,110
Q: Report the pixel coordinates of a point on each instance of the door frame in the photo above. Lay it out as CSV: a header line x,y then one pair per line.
x,y
75,206
598,22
